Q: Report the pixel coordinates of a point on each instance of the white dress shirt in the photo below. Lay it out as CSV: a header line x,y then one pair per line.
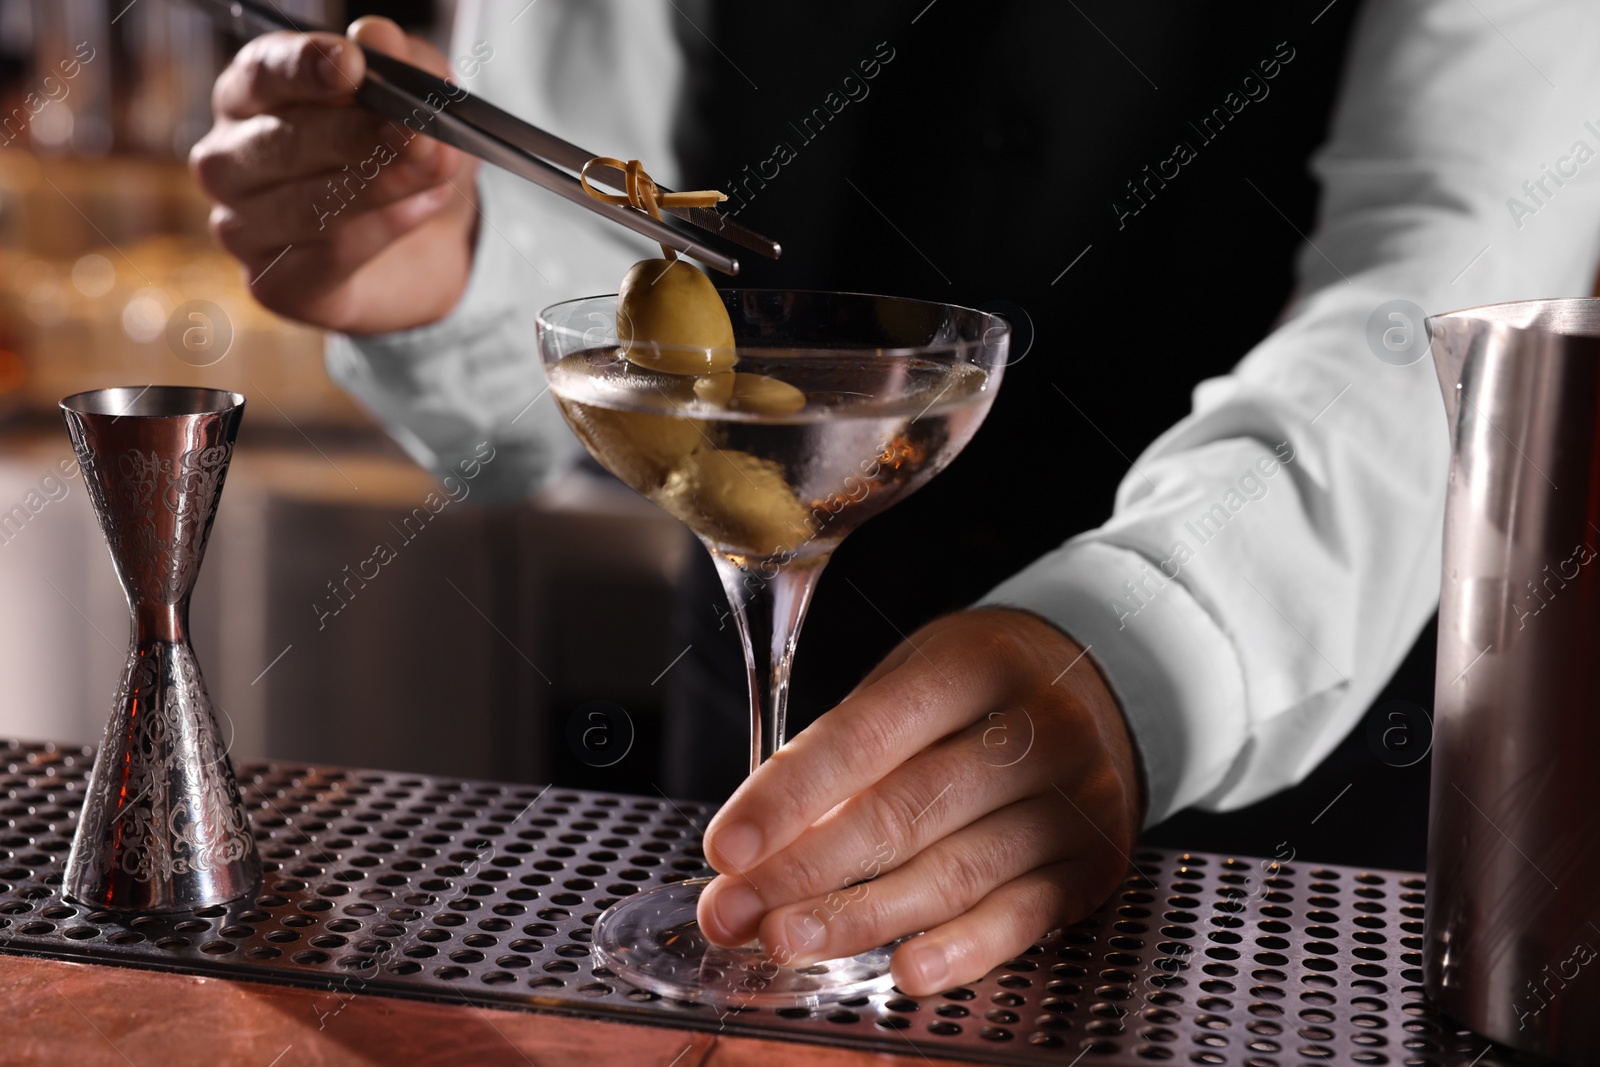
x,y
1271,557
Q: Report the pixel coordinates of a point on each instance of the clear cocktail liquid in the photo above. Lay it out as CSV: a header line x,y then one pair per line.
x,y
762,485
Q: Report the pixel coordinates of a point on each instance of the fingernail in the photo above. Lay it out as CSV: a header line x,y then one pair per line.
x,y
737,844
928,966
738,909
328,68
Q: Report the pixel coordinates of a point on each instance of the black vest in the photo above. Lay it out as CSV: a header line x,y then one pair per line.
x,y
1130,174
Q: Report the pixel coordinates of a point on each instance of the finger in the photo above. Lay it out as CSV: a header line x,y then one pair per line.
x,y
376,32
294,278
383,35
278,69
934,887
312,209
934,794
239,158
1003,924
951,679
897,656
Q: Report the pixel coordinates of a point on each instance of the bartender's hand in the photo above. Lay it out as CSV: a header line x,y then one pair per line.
x,y
393,248
991,796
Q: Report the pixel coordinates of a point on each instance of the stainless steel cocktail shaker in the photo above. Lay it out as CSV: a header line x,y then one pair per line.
x,y
1513,912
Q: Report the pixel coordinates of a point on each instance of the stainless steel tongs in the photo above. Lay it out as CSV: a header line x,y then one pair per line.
x,y
443,110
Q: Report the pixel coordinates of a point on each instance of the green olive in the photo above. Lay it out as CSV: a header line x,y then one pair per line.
x,y
739,501
764,395
638,447
716,389
670,318
757,393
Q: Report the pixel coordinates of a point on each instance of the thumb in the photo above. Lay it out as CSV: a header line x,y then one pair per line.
x,y
386,36
380,35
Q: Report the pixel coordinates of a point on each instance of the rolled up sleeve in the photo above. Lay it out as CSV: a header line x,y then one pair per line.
x,y
475,377
1271,558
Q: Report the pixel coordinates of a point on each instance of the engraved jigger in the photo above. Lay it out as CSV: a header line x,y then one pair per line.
x,y
162,827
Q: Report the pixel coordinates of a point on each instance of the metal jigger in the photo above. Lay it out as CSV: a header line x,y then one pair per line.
x,y
162,826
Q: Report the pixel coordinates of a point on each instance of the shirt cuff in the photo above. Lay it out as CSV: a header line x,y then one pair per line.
x,y
1169,664
444,390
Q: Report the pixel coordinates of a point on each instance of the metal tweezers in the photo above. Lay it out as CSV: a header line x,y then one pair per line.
x,y
448,113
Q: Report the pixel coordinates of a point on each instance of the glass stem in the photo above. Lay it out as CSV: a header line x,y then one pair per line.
x,y
769,602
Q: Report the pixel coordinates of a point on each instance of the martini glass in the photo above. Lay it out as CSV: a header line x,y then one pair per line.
x,y
893,390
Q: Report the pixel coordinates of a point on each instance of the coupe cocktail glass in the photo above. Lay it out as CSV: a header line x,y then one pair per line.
x,y
894,389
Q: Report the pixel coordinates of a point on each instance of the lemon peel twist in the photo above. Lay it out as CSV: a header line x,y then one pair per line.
x,y
643,193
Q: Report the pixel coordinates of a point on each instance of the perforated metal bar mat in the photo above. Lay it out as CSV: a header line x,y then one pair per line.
x,y
457,891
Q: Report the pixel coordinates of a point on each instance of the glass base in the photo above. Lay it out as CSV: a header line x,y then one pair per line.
x,y
653,940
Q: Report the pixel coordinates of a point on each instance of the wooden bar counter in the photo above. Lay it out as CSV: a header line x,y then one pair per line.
x,y
89,1015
